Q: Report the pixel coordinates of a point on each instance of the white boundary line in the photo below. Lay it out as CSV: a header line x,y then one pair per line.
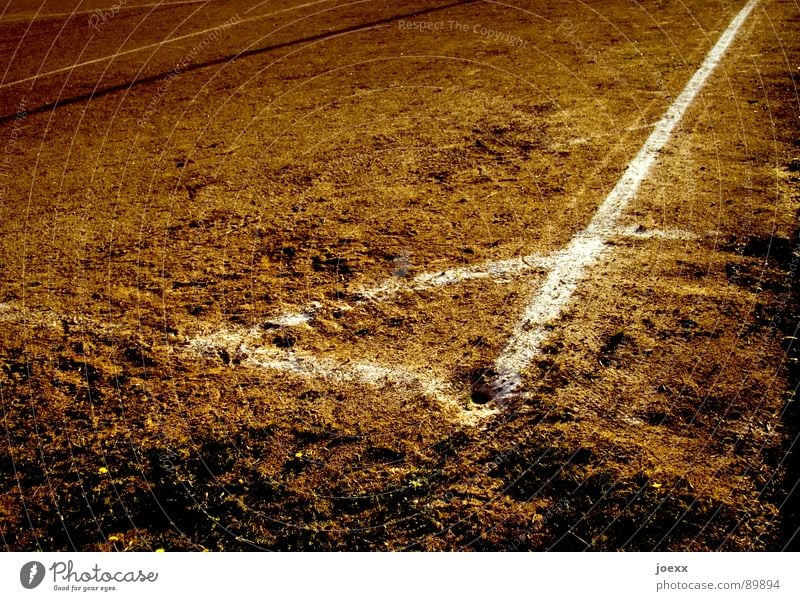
x,y
566,270
246,346
587,246
498,271
504,269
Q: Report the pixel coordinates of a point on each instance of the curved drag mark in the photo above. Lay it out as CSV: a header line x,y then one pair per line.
x,y
587,247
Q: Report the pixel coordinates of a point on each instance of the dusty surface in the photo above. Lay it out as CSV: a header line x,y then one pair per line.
x,y
220,323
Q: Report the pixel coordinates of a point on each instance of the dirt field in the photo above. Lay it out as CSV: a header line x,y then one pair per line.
x,y
264,267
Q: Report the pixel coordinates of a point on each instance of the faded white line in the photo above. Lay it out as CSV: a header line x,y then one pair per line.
x,y
498,270
587,247
370,374
13,313
290,320
244,345
503,268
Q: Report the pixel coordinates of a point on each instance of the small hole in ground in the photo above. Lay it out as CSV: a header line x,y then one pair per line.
x,y
481,386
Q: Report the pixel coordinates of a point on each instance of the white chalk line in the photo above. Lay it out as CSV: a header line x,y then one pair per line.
x,y
503,270
247,342
245,345
566,268
17,18
587,247
158,44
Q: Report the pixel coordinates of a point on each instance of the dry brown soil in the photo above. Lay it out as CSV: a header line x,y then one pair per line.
x,y
163,210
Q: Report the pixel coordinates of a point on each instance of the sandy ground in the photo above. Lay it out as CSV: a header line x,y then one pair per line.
x,y
257,267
